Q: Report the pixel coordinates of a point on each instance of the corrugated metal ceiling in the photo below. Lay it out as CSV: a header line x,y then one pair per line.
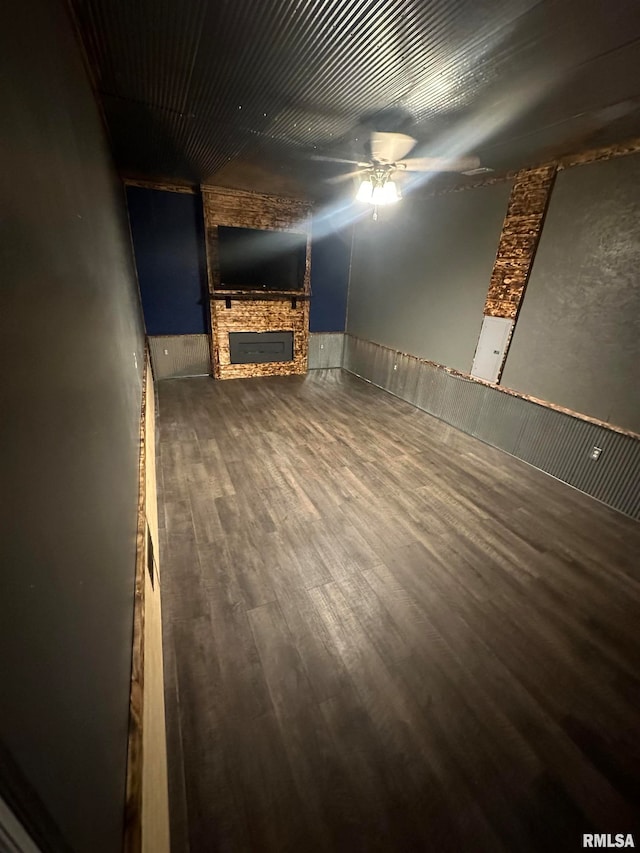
x,y
247,92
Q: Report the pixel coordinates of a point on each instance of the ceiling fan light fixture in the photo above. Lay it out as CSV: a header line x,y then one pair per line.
x,y
378,191
390,193
365,191
378,195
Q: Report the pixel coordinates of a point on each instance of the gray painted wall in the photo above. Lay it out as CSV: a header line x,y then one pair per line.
x,y
70,402
419,276
577,339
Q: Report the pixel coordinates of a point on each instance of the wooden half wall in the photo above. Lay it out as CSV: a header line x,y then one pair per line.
x,y
147,798
279,312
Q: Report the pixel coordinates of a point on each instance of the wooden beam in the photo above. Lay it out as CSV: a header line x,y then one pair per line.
x,y
165,186
606,152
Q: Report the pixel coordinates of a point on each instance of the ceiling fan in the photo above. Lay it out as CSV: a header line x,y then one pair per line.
x,y
378,176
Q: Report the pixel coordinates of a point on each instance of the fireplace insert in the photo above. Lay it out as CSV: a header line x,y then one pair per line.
x,y
260,347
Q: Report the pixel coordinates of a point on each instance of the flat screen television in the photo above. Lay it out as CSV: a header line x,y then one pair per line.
x,y
252,259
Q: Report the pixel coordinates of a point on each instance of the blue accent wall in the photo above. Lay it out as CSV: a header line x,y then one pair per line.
x,y
330,258
168,240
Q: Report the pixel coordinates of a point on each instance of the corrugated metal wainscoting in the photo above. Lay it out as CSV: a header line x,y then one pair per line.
x,y
325,349
550,440
179,355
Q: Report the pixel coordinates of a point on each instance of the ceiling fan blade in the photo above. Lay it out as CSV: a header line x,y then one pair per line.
x,y
337,160
440,164
390,147
339,179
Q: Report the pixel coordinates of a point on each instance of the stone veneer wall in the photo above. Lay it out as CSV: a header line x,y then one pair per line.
x,y
235,312
518,241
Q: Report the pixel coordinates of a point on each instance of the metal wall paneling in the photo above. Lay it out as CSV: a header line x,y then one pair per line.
x,y
424,386
404,377
353,358
350,356
554,442
173,356
362,358
365,354
500,420
461,402
314,352
367,357
325,349
551,441
615,477
382,367
397,363
562,445
435,403
410,380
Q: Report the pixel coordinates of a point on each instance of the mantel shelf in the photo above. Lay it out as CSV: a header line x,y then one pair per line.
x,y
260,295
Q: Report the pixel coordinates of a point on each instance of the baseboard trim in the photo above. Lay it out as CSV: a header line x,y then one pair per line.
x,y
133,795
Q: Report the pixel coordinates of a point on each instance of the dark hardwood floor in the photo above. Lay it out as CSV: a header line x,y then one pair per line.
x,y
381,634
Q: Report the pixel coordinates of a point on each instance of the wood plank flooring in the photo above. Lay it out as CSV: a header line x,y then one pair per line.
x,y
381,634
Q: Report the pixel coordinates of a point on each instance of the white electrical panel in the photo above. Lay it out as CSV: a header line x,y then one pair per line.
x,y
492,344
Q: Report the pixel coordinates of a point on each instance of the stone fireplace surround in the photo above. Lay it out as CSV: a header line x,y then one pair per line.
x,y
255,311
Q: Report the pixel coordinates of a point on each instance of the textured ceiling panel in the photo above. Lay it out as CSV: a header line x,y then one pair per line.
x,y
250,93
